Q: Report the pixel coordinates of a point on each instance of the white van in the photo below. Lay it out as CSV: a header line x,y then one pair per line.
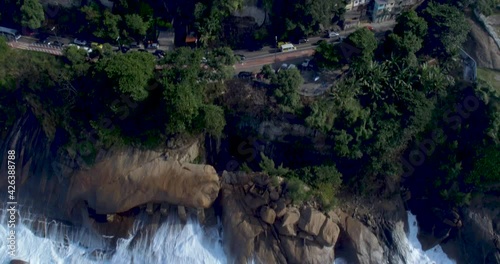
x,y
287,47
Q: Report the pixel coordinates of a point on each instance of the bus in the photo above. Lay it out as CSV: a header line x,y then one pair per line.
x,y
287,47
9,33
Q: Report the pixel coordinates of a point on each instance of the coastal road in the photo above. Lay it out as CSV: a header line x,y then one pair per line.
x,y
36,47
254,60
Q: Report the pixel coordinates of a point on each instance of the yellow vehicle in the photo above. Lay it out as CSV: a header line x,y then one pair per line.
x,y
281,43
95,45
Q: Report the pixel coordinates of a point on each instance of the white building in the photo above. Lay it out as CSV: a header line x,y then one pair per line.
x,y
353,4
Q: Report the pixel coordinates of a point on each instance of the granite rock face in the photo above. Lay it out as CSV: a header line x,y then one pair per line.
x,y
273,231
120,183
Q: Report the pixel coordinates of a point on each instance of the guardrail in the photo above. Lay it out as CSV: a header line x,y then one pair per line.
x,y
470,62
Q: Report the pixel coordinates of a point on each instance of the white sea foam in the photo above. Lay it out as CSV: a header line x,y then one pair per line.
x,y
172,243
410,249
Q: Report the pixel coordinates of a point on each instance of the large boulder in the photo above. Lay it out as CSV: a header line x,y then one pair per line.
x,y
329,233
365,244
311,220
291,217
121,182
286,230
267,215
300,251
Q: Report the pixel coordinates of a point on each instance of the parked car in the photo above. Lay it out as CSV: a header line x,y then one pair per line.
x,y
136,45
44,40
332,34
159,53
80,42
153,46
124,49
281,43
291,66
305,64
55,43
245,75
303,40
240,56
96,45
87,49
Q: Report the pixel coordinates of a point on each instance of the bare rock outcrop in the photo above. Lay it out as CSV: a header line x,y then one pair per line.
x,y
118,184
482,47
365,244
270,232
268,215
329,233
311,220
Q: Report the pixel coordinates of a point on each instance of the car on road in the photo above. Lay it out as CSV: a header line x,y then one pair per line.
x,y
43,41
55,43
153,45
245,75
332,34
136,45
303,40
123,49
87,49
240,57
96,45
159,53
80,42
281,43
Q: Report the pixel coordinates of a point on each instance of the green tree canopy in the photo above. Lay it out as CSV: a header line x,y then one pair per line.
x,y
129,73
410,22
136,26
328,55
292,20
447,29
364,40
32,14
287,83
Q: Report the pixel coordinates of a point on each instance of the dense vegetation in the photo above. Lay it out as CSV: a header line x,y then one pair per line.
x,y
120,99
399,101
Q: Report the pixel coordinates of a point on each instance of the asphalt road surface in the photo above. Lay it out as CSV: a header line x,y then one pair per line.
x,y
254,60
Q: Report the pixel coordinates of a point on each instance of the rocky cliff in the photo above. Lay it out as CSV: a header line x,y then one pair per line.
x,y
261,224
121,183
120,178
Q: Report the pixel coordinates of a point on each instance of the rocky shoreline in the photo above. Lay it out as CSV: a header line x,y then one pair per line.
x,y
259,221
